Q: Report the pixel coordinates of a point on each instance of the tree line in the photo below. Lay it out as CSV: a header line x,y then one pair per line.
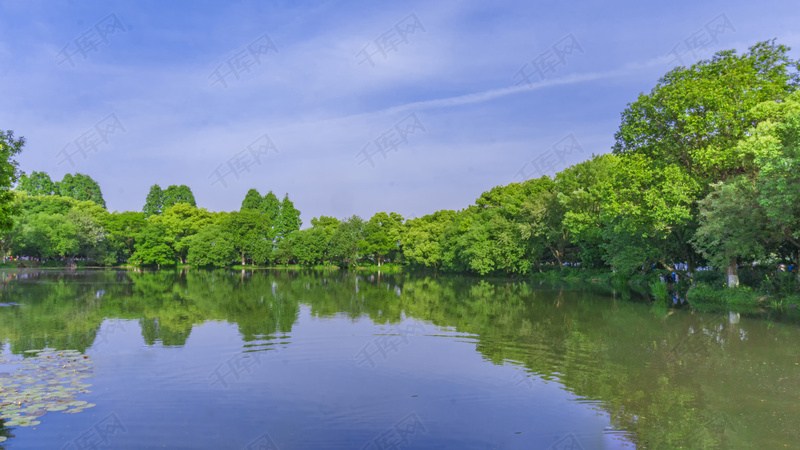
x,y
705,170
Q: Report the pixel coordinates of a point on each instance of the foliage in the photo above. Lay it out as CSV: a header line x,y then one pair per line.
x,y
81,187
212,246
9,148
38,183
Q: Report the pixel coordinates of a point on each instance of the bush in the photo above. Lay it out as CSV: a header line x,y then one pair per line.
x,y
709,277
754,276
708,295
780,284
659,290
52,263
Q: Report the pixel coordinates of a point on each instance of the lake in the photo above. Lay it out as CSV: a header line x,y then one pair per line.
x,y
281,360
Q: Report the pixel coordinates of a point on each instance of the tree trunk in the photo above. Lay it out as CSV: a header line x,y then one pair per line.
x,y
733,273
243,261
379,260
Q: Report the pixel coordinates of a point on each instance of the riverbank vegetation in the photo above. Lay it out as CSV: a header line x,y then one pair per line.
x,y
704,174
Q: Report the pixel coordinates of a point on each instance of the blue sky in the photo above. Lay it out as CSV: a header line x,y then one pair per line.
x,y
126,92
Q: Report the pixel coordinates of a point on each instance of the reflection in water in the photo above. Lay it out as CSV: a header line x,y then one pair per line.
x,y
665,377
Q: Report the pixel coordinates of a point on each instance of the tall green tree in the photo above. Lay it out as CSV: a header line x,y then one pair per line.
x,y
347,241
154,203
177,194
695,116
254,201
422,238
9,148
38,183
289,218
154,246
382,235
272,207
181,221
81,187
121,231
250,232
211,246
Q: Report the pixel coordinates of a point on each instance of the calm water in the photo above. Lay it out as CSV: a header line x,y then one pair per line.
x,y
266,360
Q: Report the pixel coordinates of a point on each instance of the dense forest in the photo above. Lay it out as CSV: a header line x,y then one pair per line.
x,y
704,172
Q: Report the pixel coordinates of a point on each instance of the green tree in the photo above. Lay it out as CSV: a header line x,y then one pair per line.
x,y
154,246
253,200
177,194
289,218
9,148
211,246
421,240
328,226
181,221
81,187
154,204
309,246
695,116
382,235
272,207
121,231
38,183
347,241
249,232
733,227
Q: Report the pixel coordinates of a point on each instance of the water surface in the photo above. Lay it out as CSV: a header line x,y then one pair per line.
x,y
273,359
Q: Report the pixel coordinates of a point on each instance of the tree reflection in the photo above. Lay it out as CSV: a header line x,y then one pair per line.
x,y
669,378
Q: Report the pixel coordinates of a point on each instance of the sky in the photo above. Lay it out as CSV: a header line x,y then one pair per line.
x,y
349,107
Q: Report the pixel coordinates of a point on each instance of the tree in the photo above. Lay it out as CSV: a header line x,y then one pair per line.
x,y
347,241
422,238
81,187
121,231
272,207
695,116
211,246
181,221
253,200
249,232
154,203
328,226
771,154
308,246
9,148
733,226
382,234
289,218
38,183
177,194
154,246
